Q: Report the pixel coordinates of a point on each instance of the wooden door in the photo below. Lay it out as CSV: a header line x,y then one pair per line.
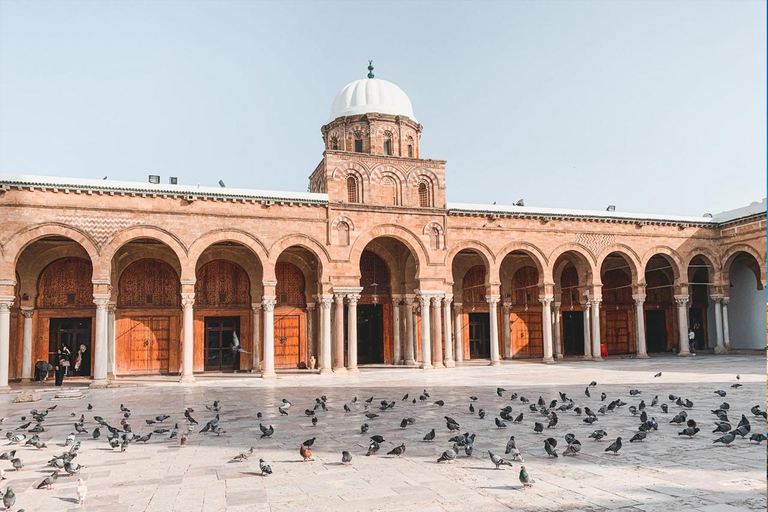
x,y
219,338
70,332
616,333
147,343
479,336
527,340
287,340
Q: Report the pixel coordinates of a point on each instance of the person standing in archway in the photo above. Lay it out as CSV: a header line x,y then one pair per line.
x,y
692,341
62,363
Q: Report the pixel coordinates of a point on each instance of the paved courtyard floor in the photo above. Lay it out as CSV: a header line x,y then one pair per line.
x,y
666,472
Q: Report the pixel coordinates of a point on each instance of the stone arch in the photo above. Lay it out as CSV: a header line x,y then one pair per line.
x,y
585,255
410,240
732,252
133,233
342,218
482,250
308,243
676,262
21,239
223,235
414,176
357,169
710,258
629,255
435,230
383,173
531,250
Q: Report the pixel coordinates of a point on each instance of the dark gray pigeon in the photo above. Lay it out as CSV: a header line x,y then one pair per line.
x,y
614,446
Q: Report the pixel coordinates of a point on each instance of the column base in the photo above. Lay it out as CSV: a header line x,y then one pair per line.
x,y
496,363
353,369
586,357
98,384
642,356
450,364
410,363
548,360
720,350
187,379
340,369
598,359
727,347
325,371
438,365
111,376
684,354
268,374
26,380
426,366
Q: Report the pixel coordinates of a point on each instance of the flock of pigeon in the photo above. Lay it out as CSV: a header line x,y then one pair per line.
x,y
119,434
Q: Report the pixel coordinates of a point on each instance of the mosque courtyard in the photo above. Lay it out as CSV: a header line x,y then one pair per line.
x,y
665,472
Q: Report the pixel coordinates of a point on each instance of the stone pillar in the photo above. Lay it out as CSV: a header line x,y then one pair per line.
x,y
642,347
100,350
682,324
586,307
352,298
447,331
546,327
726,332
338,334
5,340
26,348
556,330
596,354
256,352
188,338
325,339
396,353
457,331
719,348
437,333
493,306
268,367
409,334
507,330
112,349
311,330
426,349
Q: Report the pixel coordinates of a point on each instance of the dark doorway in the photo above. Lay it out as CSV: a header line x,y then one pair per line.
x,y
573,333
219,336
656,330
71,332
479,336
697,319
370,335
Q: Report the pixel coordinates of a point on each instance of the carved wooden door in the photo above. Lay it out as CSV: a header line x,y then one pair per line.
x,y
287,340
526,334
148,344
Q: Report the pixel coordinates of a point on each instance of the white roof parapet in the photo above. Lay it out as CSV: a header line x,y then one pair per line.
x,y
161,188
753,209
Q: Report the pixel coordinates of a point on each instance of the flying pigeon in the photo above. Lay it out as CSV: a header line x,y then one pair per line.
x,y
236,347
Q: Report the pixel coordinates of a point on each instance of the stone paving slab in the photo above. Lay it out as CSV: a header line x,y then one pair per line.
x,y
666,472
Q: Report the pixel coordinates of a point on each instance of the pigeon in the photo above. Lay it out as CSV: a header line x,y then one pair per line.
x,y
481,414
448,455
655,401
371,415
689,431
510,445
727,439
664,408
80,429
499,423
305,453
405,397
538,427
266,431
603,396
758,438
498,461
519,418
597,435
96,433
634,392
551,452
658,375
346,457
640,436
552,422
309,442
473,398
471,408
243,456
372,448
586,392
379,439
364,428
265,468
189,417
404,423
736,386
430,435
9,498
346,408
314,421
17,463
144,439
174,432
499,391
614,446
525,478
755,410
183,440
72,468
397,450
49,480
722,426
8,455
741,430
440,403
720,392
149,422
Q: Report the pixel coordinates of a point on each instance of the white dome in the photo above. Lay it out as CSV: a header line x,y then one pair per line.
x,y
371,95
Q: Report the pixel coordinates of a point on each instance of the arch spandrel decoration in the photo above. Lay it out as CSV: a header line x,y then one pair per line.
x,y
66,282
290,289
149,283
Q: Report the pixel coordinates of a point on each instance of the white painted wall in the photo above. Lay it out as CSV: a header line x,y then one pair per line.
x,y
746,311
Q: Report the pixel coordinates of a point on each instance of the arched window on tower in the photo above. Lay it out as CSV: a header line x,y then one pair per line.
x,y
387,143
358,145
410,150
423,195
352,190
334,143
434,238
343,233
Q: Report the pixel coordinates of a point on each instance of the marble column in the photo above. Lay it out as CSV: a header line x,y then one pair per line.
x,y
546,327
437,333
726,331
409,344
449,363
352,299
268,366
26,347
311,331
457,331
596,353
338,334
325,339
682,324
188,337
507,330
100,350
720,347
5,340
586,308
556,330
426,349
397,357
256,363
493,306
642,347
112,349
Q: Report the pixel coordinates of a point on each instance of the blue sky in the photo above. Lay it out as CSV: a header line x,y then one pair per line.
x,y
651,106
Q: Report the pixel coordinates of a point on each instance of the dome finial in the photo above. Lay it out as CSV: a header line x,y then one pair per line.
x,y
370,69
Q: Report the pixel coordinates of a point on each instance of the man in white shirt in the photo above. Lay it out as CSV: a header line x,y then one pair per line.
x,y
692,341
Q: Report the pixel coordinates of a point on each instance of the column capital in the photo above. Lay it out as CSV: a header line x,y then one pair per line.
x,y
111,308
726,300
681,300
187,300
311,306
268,302
546,300
338,298
639,298
256,306
457,306
408,300
325,301
448,298
556,306
352,298
596,301
101,300
27,312
269,283
716,297
436,301
493,300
